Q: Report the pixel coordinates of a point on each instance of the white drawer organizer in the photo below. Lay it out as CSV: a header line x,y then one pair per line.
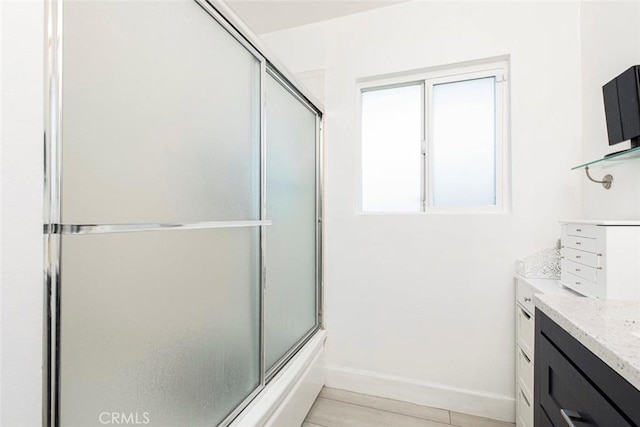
x,y
601,259
525,342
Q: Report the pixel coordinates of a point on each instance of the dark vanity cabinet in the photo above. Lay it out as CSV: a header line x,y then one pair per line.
x,y
573,387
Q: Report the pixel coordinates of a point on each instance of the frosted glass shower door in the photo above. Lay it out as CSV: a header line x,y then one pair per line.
x,y
161,118
290,295
159,302
158,325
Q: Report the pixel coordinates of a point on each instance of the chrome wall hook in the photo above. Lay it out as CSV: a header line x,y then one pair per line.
x,y
606,182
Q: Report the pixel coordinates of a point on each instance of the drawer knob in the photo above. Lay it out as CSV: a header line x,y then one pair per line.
x,y
577,283
579,230
578,243
527,299
569,416
578,256
577,269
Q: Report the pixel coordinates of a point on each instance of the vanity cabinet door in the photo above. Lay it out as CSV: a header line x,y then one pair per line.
x,y
574,387
566,396
524,407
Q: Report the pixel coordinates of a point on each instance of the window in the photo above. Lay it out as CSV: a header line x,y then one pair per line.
x,y
435,141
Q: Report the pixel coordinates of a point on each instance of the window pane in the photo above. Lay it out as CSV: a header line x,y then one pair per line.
x,y
464,143
391,149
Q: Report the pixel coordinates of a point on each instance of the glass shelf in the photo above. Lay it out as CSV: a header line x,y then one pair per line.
x,y
632,153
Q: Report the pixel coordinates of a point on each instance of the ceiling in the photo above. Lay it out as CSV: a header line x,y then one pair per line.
x,y
265,16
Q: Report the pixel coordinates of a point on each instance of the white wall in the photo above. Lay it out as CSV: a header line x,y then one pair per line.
x,y
420,307
21,169
610,45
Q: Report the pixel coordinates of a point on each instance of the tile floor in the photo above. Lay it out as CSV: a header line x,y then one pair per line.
x,y
339,408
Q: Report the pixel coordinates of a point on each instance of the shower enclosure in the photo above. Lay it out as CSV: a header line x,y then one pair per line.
x,y
183,215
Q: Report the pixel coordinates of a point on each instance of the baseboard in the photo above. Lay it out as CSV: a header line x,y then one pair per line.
x,y
286,400
472,402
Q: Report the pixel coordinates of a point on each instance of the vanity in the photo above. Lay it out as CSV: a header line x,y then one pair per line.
x,y
587,370
577,357
525,339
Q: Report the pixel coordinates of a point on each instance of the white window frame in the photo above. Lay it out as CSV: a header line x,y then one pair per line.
x,y
498,68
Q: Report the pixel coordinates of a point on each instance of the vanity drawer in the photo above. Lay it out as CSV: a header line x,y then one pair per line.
x,y
582,230
580,270
524,405
525,371
565,393
582,257
581,243
524,297
525,330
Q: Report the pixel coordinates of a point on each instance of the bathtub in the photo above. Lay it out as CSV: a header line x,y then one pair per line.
x,y
286,400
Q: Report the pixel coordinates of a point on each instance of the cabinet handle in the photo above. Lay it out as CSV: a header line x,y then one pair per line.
x,y
578,256
577,269
577,283
579,230
525,356
526,299
569,416
578,243
525,314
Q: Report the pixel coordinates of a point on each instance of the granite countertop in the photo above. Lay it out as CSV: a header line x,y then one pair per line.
x,y
609,328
